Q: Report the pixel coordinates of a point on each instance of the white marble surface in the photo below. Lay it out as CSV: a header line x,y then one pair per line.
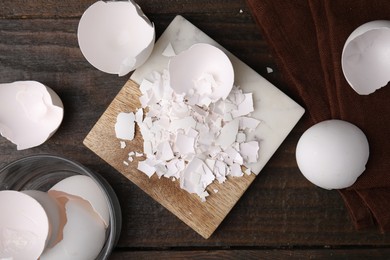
x,y
278,113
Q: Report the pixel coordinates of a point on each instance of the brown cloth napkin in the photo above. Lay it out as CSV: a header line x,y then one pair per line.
x,y
307,38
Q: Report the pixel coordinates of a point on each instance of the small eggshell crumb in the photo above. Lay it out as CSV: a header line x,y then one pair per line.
x,y
30,113
332,154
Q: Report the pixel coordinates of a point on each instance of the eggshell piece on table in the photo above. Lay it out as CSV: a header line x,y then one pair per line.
x,y
83,233
24,226
30,113
52,210
204,71
365,58
115,36
85,187
332,154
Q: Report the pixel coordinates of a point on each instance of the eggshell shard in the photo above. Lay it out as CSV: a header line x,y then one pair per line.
x,y
115,36
365,59
30,113
53,212
202,70
83,233
332,154
24,226
85,188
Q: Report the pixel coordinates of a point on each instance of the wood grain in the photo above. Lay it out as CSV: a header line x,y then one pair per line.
x,y
203,217
280,210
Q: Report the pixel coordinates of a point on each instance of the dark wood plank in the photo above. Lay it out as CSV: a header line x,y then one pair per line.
x,y
280,209
258,254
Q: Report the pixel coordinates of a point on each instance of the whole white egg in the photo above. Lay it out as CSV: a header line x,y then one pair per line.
x,y
332,154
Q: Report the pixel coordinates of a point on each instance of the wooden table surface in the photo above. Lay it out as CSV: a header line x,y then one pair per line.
x,y
281,215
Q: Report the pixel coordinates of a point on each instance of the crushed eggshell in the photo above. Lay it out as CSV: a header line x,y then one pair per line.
x,y
30,113
196,135
115,36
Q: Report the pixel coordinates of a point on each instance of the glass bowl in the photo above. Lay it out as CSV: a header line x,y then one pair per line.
x,y
41,172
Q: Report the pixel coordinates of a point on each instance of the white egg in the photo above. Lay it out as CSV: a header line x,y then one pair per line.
x,y
202,70
332,154
85,188
365,59
24,226
30,113
53,212
83,234
115,36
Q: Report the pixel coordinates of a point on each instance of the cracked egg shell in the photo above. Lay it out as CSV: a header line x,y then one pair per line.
x,y
85,187
189,66
365,58
115,36
30,113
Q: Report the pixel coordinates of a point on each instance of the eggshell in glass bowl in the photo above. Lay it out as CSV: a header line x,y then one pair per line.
x,y
85,188
24,226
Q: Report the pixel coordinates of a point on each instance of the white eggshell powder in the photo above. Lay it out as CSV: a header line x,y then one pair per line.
x,y
332,154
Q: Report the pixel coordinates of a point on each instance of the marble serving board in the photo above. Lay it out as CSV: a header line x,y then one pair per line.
x,y
276,111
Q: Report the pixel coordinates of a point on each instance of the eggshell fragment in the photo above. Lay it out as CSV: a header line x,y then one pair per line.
x,y
83,233
202,71
115,36
52,210
332,154
24,226
124,126
365,59
30,113
85,188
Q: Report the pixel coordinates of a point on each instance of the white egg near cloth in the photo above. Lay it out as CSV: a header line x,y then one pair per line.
x,y
30,113
115,36
365,58
332,154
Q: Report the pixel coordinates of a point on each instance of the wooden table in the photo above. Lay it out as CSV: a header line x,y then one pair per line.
x,y
281,215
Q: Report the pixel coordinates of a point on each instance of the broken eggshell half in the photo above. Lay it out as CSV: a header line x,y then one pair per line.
x,y
203,71
30,113
115,36
365,59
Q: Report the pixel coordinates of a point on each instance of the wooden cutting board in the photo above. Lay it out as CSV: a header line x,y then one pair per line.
x,y
203,217
277,112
